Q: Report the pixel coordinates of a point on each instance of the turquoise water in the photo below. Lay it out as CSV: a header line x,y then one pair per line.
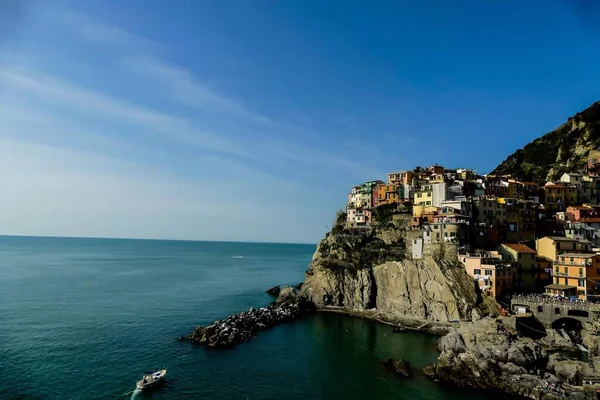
x,y
83,318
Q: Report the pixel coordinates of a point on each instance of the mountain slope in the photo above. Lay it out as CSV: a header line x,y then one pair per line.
x,y
566,148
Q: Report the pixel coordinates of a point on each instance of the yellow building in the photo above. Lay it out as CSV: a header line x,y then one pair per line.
x,y
515,189
436,178
530,274
579,270
387,194
423,196
419,210
551,247
400,177
554,197
465,174
572,195
520,219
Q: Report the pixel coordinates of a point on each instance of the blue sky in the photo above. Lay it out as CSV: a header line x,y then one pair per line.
x,y
249,120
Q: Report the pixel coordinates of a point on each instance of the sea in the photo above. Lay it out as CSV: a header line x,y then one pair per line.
x,y
85,318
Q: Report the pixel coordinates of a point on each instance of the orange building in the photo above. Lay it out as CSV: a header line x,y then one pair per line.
x,y
493,275
578,270
400,177
387,194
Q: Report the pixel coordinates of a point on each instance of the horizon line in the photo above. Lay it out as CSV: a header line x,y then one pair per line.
x,y
156,239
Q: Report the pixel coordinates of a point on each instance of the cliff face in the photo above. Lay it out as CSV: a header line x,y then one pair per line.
x,y
565,149
373,271
487,354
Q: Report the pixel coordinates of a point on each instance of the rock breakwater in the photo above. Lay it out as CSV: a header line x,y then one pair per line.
x,y
241,327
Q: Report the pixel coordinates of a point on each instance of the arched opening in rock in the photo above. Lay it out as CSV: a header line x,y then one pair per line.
x,y
531,327
569,328
578,313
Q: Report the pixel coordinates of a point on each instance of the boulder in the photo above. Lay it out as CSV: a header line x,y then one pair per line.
x,y
400,368
452,342
274,291
287,295
569,371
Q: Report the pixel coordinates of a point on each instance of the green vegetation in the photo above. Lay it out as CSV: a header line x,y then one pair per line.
x,y
383,213
565,149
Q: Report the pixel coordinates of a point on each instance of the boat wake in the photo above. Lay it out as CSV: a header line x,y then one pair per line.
x,y
237,257
130,394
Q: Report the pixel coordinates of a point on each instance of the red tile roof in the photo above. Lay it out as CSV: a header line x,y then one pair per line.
x,y
520,248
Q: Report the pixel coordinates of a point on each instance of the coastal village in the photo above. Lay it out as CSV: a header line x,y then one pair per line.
x,y
512,236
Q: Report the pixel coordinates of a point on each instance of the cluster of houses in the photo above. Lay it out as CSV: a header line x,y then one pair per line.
x,y
512,236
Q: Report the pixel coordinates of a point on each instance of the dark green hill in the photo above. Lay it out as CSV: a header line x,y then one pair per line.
x,y
565,149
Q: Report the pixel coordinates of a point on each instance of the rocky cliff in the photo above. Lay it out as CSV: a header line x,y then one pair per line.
x,y
371,269
488,354
565,149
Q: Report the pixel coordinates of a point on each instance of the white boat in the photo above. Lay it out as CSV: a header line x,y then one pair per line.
x,y
151,379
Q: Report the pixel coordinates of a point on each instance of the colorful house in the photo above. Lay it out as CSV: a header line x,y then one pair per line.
x,y
400,177
492,274
590,189
530,274
578,270
358,217
577,213
551,247
436,169
488,210
553,197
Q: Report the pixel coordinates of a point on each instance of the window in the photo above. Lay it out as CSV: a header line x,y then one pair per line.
x,y
566,281
566,270
540,309
581,283
488,272
581,272
428,203
557,310
477,271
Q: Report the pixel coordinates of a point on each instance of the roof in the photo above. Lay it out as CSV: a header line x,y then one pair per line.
x,y
560,239
573,174
580,255
542,258
520,248
560,287
527,183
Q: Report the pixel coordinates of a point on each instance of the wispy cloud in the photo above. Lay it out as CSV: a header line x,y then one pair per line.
x,y
83,99
92,160
184,88
101,33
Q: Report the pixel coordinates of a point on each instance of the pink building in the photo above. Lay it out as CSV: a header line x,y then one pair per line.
x,y
493,275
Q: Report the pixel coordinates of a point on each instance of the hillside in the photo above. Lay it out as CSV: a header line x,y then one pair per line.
x,y
566,148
